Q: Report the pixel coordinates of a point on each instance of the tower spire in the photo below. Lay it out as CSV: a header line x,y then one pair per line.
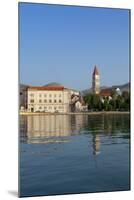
x,y
95,72
96,81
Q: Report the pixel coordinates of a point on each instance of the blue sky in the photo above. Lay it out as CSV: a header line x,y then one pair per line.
x,y
63,43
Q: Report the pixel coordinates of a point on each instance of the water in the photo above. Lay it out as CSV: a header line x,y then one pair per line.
x,y
62,154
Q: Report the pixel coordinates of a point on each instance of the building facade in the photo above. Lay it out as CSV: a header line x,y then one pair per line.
x,y
49,99
95,81
23,97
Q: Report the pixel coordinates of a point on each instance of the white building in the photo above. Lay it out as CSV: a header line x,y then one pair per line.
x,y
50,98
118,91
80,106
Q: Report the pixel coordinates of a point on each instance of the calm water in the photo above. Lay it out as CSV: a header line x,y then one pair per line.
x,y
74,154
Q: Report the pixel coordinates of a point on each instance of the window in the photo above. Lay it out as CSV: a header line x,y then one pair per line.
x,y
54,100
40,107
50,107
55,108
32,95
54,95
45,95
32,101
50,101
45,101
40,101
45,108
59,95
40,95
50,95
60,101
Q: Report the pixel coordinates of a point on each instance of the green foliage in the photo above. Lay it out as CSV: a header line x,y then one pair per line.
x,y
116,103
93,101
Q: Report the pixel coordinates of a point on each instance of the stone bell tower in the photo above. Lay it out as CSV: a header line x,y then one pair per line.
x,y
96,81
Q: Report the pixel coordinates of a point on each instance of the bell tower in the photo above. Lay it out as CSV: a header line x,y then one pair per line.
x,y
96,81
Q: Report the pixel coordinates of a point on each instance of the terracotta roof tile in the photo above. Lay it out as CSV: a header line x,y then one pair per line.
x,y
46,88
105,92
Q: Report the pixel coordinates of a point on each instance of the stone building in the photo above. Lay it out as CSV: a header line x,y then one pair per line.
x,y
96,81
49,98
77,103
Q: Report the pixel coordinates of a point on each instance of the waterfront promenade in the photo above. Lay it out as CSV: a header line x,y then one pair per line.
x,y
75,113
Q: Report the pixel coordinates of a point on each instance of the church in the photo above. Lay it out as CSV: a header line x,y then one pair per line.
x,y
96,81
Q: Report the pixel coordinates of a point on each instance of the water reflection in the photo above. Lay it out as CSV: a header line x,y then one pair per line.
x,y
96,144
51,125
59,128
61,154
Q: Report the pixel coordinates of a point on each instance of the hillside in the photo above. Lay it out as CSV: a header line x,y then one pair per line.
x,y
123,87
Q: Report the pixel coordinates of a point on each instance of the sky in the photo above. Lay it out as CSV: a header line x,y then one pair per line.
x,y
64,43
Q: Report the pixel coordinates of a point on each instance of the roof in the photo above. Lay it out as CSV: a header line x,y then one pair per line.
x,y
46,88
105,92
95,72
51,86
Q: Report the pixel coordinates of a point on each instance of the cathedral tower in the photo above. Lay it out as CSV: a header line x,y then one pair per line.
x,y
96,81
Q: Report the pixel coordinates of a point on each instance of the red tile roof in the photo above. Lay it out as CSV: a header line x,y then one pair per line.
x,y
105,92
46,88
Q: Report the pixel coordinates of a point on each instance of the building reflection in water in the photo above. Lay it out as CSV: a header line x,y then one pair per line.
x,y
54,125
48,126
57,128
96,144
23,126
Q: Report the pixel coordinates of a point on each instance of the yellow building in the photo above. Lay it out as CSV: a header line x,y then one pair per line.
x,y
49,98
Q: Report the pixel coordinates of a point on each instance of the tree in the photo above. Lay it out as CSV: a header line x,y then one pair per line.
x,y
106,104
125,95
119,101
126,101
93,101
114,94
112,103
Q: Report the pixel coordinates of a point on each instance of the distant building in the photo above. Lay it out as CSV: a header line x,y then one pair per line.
x,y
23,97
80,106
96,81
106,92
118,91
109,91
49,98
77,103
